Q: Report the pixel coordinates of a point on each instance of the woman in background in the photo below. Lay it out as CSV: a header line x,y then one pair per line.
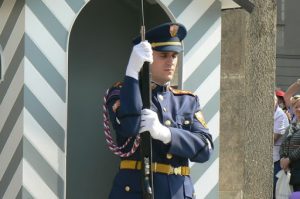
x,y
290,147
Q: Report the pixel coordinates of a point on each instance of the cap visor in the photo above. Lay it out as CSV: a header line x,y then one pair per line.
x,y
169,49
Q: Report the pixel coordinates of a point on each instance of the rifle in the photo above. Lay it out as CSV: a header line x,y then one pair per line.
x,y
146,140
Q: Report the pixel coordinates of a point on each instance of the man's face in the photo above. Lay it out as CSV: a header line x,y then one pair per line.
x,y
163,66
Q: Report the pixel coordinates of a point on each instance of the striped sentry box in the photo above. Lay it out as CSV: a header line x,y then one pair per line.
x,y
34,42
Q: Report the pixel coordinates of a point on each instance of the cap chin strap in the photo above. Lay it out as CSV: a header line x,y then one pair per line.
x,y
170,43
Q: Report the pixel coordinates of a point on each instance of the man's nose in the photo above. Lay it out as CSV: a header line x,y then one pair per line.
x,y
171,59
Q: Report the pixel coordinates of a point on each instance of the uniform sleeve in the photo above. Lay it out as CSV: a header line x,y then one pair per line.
x,y
125,108
283,147
196,143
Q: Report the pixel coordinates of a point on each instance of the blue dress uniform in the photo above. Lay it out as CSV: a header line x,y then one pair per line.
x,y
177,110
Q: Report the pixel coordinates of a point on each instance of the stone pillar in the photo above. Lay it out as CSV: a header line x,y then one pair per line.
x,y
247,85
232,120
260,64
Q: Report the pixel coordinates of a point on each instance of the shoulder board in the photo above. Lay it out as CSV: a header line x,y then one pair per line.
x,y
181,92
117,85
114,90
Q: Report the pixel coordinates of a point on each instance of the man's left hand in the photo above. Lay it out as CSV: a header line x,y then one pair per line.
x,y
151,123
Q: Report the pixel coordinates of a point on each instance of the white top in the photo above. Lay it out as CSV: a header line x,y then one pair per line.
x,y
281,122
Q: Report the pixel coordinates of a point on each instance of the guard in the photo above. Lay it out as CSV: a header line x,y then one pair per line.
x,y
175,121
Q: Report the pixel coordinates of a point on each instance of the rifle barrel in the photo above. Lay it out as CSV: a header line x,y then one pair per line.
x,y
146,140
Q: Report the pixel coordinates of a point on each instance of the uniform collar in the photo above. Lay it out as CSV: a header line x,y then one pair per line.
x,y
159,88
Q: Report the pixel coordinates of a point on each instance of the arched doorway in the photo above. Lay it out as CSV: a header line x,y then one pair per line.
x,y
99,48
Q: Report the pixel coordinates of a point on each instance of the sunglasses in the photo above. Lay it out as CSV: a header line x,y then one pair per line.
x,y
296,97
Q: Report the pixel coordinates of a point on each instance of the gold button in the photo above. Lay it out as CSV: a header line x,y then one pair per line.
x,y
164,109
169,156
167,122
160,97
186,122
127,188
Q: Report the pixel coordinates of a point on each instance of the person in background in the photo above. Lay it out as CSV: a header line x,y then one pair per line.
x,y
281,102
290,147
281,122
290,92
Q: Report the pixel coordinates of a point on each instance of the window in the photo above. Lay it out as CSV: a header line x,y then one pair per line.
x,y
280,22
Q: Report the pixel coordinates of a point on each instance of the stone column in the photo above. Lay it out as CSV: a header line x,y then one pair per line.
x,y
260,64
232,120
247,85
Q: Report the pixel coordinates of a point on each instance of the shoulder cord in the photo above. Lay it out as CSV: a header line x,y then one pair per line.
x,y
111,144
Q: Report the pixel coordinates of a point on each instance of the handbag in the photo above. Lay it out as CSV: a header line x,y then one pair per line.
x,y
295,173
283,189
295,177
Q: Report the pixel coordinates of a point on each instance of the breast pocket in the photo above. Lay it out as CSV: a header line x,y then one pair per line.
x,y
184,121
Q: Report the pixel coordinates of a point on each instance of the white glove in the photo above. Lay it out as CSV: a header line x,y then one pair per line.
x,y
151,123
140,53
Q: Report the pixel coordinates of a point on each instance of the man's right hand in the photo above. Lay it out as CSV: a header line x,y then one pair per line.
x,y
141,53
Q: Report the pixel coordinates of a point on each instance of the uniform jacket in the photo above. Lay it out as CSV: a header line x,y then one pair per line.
x,y
190,138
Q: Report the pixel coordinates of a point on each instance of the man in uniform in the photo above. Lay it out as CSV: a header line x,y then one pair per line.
x,y
175,121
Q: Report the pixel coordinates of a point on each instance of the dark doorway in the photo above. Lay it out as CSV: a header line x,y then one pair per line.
x,y
99,48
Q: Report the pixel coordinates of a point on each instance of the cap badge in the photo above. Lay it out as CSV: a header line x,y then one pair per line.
x,y
173,30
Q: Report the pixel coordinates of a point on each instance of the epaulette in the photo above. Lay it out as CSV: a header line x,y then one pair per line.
x,y
117,85
181,92
114,90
